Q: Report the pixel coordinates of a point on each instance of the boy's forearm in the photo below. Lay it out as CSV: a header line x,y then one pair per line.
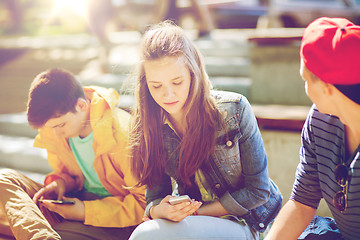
x,y
291,221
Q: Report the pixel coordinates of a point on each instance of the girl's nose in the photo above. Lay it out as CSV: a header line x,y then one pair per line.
x,y
169,93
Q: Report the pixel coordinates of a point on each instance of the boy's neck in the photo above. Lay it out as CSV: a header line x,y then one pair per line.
x,y
352,140
352,127
85,132
87,129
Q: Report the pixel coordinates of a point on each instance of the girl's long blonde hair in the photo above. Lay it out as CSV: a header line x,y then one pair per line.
x,y
202,117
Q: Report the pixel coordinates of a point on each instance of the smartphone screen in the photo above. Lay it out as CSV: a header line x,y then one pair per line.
x,y
179,199
59,201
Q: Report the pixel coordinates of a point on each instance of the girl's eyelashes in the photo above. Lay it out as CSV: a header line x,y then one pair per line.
x,y
156,86
177,83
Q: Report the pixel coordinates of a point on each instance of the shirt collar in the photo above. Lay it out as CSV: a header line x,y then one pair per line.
x,y
167,122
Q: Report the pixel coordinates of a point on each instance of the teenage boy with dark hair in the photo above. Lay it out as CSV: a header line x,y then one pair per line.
x,y
329,165
86,138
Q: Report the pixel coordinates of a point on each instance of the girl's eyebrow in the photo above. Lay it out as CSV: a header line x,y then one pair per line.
x,y
175,78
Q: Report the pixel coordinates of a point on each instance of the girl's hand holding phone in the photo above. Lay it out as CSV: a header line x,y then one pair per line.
x,y
176,212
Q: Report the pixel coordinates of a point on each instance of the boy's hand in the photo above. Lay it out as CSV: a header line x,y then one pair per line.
x,y
74,211
57,188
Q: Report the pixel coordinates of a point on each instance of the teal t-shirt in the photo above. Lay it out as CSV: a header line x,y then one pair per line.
x,y
85,156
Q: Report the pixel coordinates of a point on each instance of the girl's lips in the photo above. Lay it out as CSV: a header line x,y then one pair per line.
x,y
171,103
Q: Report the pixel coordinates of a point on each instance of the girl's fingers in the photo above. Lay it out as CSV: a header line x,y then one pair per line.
x,y
188,210
187,207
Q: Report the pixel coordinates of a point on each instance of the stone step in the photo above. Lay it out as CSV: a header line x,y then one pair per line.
x,y
226,52
16,124
19,153
229,42
234,84
125,62
224,48
227,67
276,117
124,83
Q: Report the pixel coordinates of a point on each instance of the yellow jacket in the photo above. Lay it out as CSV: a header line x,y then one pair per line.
x,y
110,126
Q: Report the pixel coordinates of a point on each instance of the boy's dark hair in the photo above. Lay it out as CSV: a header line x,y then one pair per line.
x,y
350,91
52,93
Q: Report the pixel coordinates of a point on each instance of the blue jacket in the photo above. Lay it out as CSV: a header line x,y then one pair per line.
x,y
237,171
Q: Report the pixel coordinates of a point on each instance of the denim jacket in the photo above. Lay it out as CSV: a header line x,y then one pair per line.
x,y
237,170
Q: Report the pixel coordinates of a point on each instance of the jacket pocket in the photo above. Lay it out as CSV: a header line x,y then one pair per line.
x,y
227,155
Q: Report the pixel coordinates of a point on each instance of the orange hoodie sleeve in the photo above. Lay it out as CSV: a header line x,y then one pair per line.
x,y
60,158
116,211
127,205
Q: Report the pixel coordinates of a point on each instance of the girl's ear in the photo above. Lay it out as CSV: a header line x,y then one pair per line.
x,y
81,105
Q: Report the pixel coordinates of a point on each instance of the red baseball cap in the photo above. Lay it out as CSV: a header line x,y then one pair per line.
x,y
330,49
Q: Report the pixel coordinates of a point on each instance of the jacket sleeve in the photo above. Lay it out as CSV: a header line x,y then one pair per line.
x,y
255,190
126,205
116,211
59,157
155,194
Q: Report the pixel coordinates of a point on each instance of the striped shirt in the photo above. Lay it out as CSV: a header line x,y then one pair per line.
x,y
323,148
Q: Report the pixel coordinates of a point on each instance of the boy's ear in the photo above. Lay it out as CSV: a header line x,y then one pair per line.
x,y
81,105
329,88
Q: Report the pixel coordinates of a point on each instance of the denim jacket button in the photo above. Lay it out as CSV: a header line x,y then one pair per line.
x,y
261,225
217,186
229,143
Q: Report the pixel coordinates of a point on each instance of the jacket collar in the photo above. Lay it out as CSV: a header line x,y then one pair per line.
x,y
102,101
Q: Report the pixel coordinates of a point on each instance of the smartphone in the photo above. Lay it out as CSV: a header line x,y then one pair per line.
x,y
179,199
59,201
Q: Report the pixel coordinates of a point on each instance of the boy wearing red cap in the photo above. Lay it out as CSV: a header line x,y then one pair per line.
x,y
329,165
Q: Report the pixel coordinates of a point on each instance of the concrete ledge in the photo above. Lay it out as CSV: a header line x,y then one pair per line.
x,y
276,36
282,149
270,117
124,83
19,153
121,63
281,117
16,125
234,84
274,71
228,66
224,48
